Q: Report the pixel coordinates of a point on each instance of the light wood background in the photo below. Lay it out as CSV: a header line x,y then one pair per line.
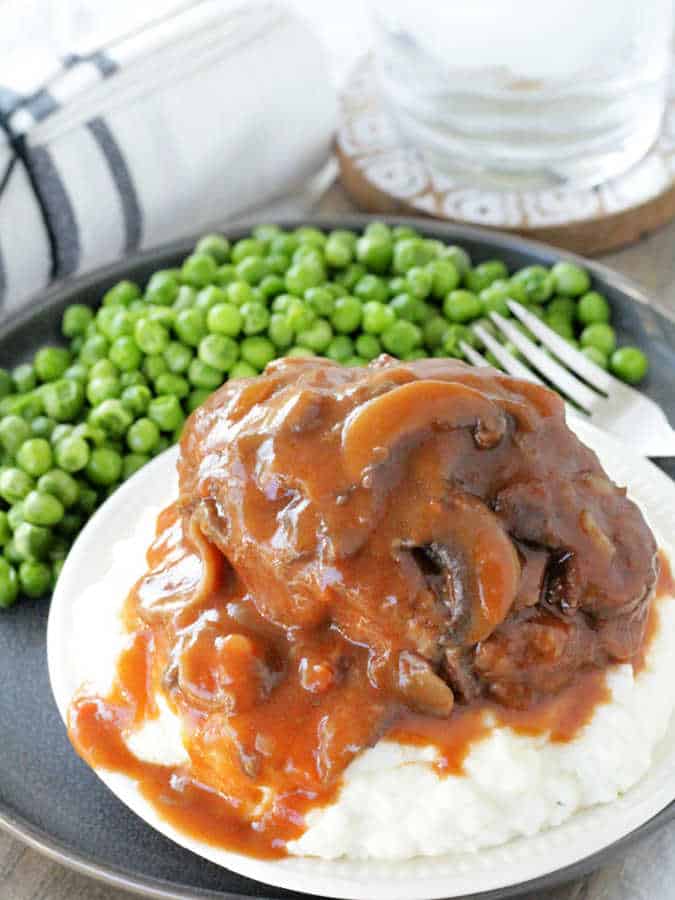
x,y
26,875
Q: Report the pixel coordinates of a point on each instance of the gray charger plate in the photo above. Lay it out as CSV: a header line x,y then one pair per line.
x,y
48,797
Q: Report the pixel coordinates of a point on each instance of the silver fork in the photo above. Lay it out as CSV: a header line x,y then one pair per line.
x,y
599,397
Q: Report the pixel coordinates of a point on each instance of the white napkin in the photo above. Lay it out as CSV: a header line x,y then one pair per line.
x,y
203,116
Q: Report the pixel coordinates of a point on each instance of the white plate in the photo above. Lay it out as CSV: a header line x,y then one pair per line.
x,y
423,877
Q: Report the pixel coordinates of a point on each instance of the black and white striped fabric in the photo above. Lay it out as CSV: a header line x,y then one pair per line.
x,y
209,114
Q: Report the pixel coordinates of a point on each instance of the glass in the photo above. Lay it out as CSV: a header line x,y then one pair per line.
x,y
525,93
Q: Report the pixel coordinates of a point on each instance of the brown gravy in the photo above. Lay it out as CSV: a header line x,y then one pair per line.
x,y
272,714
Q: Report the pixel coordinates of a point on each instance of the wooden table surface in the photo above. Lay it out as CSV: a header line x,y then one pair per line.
x,y
27,875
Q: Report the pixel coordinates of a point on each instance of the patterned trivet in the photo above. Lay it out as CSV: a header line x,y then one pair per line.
x,y
383,174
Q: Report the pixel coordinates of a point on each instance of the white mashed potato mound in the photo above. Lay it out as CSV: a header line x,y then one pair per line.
x,y
393,804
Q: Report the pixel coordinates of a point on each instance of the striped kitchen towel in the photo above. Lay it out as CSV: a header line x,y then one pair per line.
x,y
206,115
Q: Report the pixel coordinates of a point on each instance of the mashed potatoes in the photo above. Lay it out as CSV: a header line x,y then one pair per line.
x,y
393,804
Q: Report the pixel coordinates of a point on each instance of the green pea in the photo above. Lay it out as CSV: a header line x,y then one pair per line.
x,y
298,314
629,364
165,411
15,484
104,467
15,515
271,285
375,250
199,395
25,378
347,314
569,279
495,297
199,270
224,318
252,269
317,337
409,253
100,389
72,453
204,376
240,292
136,398
371,287
348,277
401,337
209,297
242,370
247,247
308,235
214,245
434,331
172,384
258,351
5,530
152,337
536,283
35,456
419,282
303,275
177,357
125,354
78,371
51,362
121,294
42,509
563,307
162,288
338,251
462,306
70,524
280,331
103,368
256,318
562,325
458,257
32,541
405,306
444,277
600,335
190,326
60,431
111,416
93,349
11,554
592,308
9,584
154,366
35,578
377,317
60,485
484,274
13,432
88,500
142,436
75,320
320,300
185,299
278,264
340,349
368,346
218,351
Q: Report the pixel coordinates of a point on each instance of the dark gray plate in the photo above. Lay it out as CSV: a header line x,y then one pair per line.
x,y
51,799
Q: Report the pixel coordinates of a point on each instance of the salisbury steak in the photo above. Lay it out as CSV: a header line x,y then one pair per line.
x,y
442,516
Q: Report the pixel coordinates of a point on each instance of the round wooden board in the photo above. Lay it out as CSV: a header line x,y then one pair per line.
x,y
384,175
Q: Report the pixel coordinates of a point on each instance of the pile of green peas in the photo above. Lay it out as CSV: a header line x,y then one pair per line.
x,y
80,419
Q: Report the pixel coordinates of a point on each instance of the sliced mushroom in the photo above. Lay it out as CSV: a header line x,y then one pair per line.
x,y
412,409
